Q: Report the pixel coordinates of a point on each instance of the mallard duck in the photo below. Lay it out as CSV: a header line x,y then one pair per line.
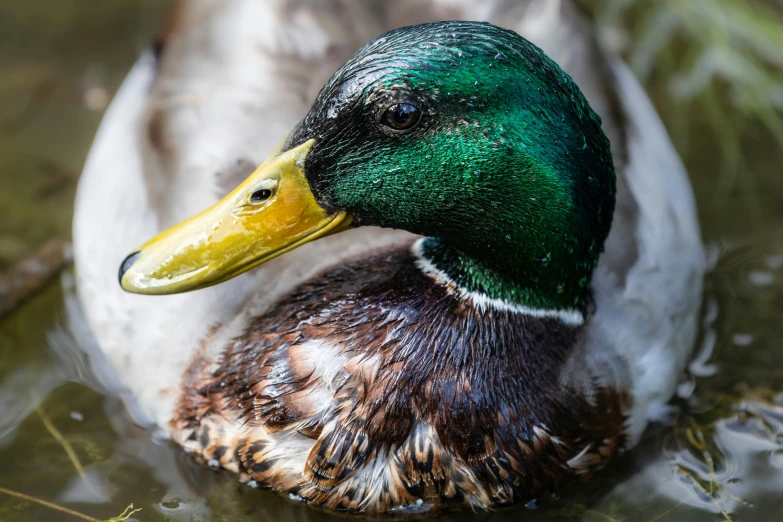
x,y
467,295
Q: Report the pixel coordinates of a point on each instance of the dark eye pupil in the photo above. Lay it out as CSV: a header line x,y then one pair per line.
x,y
401,116
260,195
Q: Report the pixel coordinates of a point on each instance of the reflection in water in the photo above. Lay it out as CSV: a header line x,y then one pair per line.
x,y
720,459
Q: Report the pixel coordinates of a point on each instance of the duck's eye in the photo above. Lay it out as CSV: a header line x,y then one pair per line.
x,y
401,116
260,195
263,192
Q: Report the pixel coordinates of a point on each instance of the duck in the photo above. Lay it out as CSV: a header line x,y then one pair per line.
x,y
468,271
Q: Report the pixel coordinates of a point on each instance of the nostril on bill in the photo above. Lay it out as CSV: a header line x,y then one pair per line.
x,y
127,263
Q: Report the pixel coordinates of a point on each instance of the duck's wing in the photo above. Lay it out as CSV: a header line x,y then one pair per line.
x,y
647,310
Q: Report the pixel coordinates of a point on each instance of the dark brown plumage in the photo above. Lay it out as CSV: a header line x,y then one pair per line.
x,y
372,388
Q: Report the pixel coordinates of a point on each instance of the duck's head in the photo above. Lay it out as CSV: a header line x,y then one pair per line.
x,y
462,132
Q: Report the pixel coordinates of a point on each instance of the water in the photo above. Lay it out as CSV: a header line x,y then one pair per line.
x,y
722,459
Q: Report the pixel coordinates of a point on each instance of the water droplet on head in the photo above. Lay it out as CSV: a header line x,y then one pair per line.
x,y
545,260
508,237
378,183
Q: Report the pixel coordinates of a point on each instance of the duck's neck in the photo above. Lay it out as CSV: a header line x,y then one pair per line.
x,y
490,285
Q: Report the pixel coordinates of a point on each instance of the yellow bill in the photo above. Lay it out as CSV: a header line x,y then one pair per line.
x,y
272,212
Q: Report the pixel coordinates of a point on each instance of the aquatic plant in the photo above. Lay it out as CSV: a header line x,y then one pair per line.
x,y
722,59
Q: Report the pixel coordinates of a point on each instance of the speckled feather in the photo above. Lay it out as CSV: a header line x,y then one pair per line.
x,y
372,388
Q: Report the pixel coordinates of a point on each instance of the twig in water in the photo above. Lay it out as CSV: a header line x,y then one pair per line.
x,y
31,274
48,504
68,451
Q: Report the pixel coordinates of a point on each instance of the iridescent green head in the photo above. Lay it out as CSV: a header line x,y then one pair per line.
x,y
470,134
459,131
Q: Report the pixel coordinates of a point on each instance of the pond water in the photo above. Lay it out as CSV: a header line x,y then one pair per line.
x,y
64,441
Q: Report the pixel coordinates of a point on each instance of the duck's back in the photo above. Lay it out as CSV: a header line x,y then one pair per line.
x,y
234,77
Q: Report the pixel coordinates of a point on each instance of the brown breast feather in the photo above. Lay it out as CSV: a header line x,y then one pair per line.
x,y
372,388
